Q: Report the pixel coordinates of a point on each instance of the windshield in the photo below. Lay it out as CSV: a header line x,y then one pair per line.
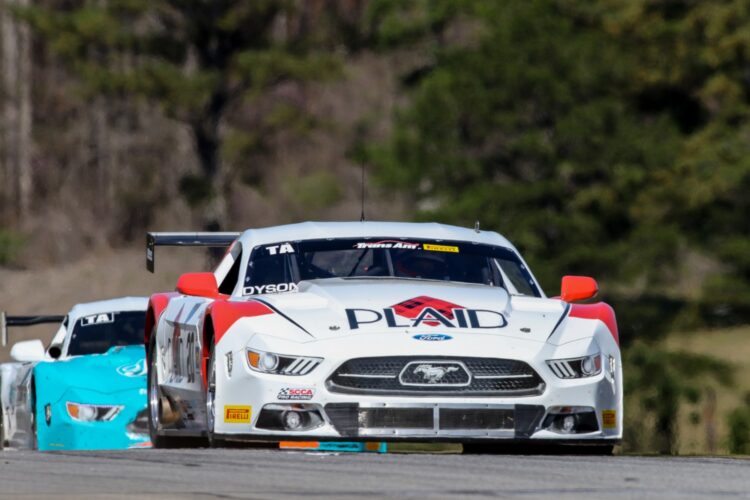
x,y
280,267
97,333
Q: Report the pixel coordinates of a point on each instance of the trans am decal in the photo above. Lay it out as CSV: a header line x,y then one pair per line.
x,y
429,311
388,244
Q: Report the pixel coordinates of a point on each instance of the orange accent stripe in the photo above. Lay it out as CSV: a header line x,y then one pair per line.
x,y
301,445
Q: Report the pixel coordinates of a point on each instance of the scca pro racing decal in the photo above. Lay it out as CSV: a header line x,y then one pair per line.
x,y
270,288
295,394
388,244
428,311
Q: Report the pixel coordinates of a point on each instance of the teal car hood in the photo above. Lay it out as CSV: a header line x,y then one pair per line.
x,y
118,369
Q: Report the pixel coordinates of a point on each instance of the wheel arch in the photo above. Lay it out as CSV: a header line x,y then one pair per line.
x,y
156,305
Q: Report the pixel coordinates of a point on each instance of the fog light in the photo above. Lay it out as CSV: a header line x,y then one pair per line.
x,y
292,417
568,424
292,420
571,420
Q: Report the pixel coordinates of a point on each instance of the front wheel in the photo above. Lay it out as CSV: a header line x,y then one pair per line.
x,y
33,441
156,407
213,440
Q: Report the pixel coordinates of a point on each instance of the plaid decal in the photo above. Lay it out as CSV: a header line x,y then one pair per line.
x,y
413,307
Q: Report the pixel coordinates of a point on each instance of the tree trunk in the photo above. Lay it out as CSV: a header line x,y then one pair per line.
x,y
25,180
213,208
10,108
17,114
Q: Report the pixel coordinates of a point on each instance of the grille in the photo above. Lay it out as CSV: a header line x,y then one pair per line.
x,y
462,376
429,420
452,419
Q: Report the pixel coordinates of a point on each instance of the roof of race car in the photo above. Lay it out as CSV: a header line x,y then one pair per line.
x,y
111,305
365,229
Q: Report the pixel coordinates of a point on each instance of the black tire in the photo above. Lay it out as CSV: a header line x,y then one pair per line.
x,y
214,441
33,441
155,401
2,428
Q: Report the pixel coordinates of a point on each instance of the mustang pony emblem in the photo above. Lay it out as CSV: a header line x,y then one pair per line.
x,y
433,374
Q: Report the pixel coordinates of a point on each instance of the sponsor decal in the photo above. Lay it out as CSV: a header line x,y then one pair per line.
x,y
295,394
97,319
429,311
237,414
432,337
609,419
270,288
440,248
278,249
137,369
388,244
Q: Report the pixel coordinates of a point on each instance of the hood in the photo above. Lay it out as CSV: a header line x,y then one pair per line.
x,y
121,368
335,307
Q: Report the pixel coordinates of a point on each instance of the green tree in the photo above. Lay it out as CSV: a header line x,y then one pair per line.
x,y
659,381
530,129
739,429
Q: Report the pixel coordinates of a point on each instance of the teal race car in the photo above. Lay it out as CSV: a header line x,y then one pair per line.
x,y
87,390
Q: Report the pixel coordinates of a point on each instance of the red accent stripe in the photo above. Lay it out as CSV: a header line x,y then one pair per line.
x,y
156,305
223,315
601,311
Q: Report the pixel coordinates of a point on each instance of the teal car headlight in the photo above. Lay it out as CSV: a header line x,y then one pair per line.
x,y
82,412
269,362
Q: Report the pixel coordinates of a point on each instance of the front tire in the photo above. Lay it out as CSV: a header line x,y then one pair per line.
x,y
213,440
33,440
156,403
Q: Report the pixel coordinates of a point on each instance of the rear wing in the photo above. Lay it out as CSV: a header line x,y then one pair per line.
x,y
6,321
204,239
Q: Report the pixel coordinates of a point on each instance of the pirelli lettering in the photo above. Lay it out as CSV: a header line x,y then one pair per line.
x,y
237,414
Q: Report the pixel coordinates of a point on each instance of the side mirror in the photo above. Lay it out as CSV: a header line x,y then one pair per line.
x,y
28,350
54,351
198,284
575,288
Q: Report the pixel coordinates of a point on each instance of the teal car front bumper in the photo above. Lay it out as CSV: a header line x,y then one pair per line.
x,y
93,402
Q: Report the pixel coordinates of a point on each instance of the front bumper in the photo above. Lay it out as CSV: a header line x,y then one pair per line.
x,y
246,397
128,429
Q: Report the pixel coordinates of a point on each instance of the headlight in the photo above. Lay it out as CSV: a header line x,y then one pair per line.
x,y
268,362
586,366
92,413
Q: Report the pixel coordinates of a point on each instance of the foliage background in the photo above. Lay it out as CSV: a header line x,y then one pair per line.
x,y
607,138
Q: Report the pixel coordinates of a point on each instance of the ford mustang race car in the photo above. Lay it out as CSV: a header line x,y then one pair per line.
x,y
88,389
359,331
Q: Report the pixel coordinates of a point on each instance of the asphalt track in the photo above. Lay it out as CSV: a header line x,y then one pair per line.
x,y
245,473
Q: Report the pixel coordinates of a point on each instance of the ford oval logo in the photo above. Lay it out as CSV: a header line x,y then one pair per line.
x,y
432,337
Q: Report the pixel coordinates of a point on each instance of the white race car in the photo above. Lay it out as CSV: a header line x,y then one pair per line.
x,y
378,331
